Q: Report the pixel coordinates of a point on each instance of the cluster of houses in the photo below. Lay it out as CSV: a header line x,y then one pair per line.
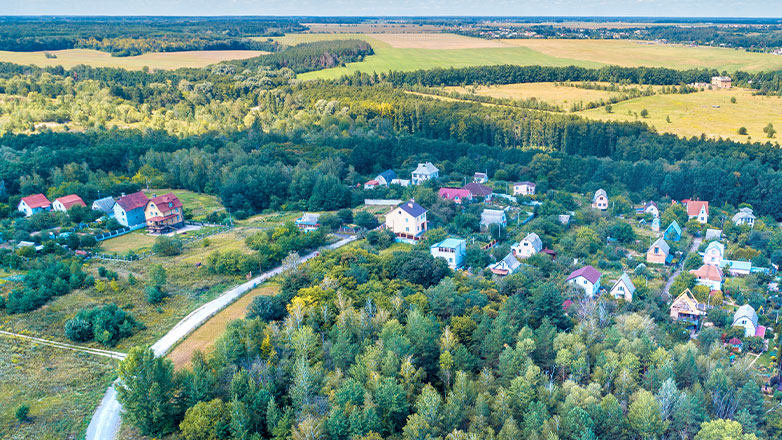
x,y
160,214
717,82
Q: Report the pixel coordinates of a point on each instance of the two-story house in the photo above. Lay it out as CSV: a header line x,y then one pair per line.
x,y
714,254
129,209
452,250
697,210
587,278
523,188
623,288
659,252
600,200
425,171
745,216
164,213
527,247
407,221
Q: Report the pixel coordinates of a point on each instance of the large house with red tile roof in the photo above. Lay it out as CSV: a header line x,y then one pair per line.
x,y
587,278
34,204
164,214
63,204
457,195
697,210
129,209
709,275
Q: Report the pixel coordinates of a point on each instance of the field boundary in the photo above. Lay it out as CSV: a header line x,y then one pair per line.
x,y
96,351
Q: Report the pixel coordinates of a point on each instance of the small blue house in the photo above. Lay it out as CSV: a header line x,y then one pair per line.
x,y
452,250
673,232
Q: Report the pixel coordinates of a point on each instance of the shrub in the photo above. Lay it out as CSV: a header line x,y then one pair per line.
x,y
22,413
154,294
105,324
365,220
743,131
268,308
167,246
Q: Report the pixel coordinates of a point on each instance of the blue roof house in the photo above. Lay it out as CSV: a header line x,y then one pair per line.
x,y
452,250
673,232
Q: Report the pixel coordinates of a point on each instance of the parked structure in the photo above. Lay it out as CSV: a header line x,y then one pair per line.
x,y
587,278
425,171
659,252
506,266
452,250
63,204
623,288
493,217
308,222
709,276
129,209
407,221
164,214
745,216
698,210
685,308
34,204
104,205
600,200
457,195
527,247
524,188
746,317
673,232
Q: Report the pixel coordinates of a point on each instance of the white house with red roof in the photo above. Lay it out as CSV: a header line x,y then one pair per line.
x,y
63,204
697,210
129,209
587,278
164,213
34,204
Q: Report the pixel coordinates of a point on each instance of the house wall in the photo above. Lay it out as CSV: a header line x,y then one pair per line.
x,y
454,256
600,203
656,258
131,218
712,257
621,291
400,222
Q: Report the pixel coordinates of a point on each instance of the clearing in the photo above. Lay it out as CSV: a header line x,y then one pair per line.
x,y
69,58
137,241
709,112
62,388
562,95
204,337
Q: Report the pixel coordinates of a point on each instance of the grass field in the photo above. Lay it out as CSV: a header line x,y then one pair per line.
x,y
197,206
136,241
156,60
61,387
561,95
695,113
204,337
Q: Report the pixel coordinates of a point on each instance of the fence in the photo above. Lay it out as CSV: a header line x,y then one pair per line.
x,y
143,255
382,202
119,232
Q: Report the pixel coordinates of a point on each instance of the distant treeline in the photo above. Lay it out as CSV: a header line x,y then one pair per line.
x,y
125,36
317,55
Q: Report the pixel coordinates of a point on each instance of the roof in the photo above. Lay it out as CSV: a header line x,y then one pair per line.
x,y
412,208
746,311
526,182
510,261
133,201
738,265
426,168
694,207
716,245
744,213
534,240
689,300
451,243
650,204
627,282
452,193
492,216
478,174
590,273
308,218
734,341
708,272
166,202
477,189
713,234
71,200
388,175
598,193
105,204
662,245
721,78
372,182
675,227
36,201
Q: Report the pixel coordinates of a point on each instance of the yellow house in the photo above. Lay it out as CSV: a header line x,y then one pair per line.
x,y
407,221
164,213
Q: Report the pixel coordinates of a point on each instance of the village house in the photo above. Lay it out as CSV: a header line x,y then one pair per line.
x,y
371,184
737,267
564,219
651,208
457,195
623,288
63,204
308,222
129,209
659,252
709,276
527,247
425,171
506,266
697,210
587,278
478,190
493,217
400,182
452,250
524,188
745,216
656,224
385,178
600,200
714,254
407,221
164,214
480,178
746,317
673,232
721,82
34,204
104,205
685,308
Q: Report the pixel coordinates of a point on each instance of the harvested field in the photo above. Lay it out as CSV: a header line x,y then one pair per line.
x,y
155,60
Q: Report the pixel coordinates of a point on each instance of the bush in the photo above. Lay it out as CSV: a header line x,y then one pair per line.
x,y
105,324
380,239
154,294
365,220
78,330
23,413
743,131
268,308
167,246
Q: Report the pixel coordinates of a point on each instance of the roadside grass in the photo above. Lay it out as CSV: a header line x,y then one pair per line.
x,y
197,206
70,58
204,337
709,113
62,388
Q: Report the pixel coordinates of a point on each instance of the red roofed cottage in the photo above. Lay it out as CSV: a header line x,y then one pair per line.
x,y
164,213
34,204
63,204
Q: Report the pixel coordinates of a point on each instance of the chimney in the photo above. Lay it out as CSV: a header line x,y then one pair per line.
x,y
122,195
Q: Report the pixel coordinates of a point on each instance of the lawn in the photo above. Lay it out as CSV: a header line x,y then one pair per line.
x,y
709,112
205,336
136,241
62,388
552,93
197,206
69,58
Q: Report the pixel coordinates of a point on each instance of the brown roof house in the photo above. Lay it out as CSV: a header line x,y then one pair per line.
x,y
164,214
686,308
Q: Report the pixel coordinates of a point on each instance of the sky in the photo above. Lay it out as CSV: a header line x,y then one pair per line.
x,y
654,8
